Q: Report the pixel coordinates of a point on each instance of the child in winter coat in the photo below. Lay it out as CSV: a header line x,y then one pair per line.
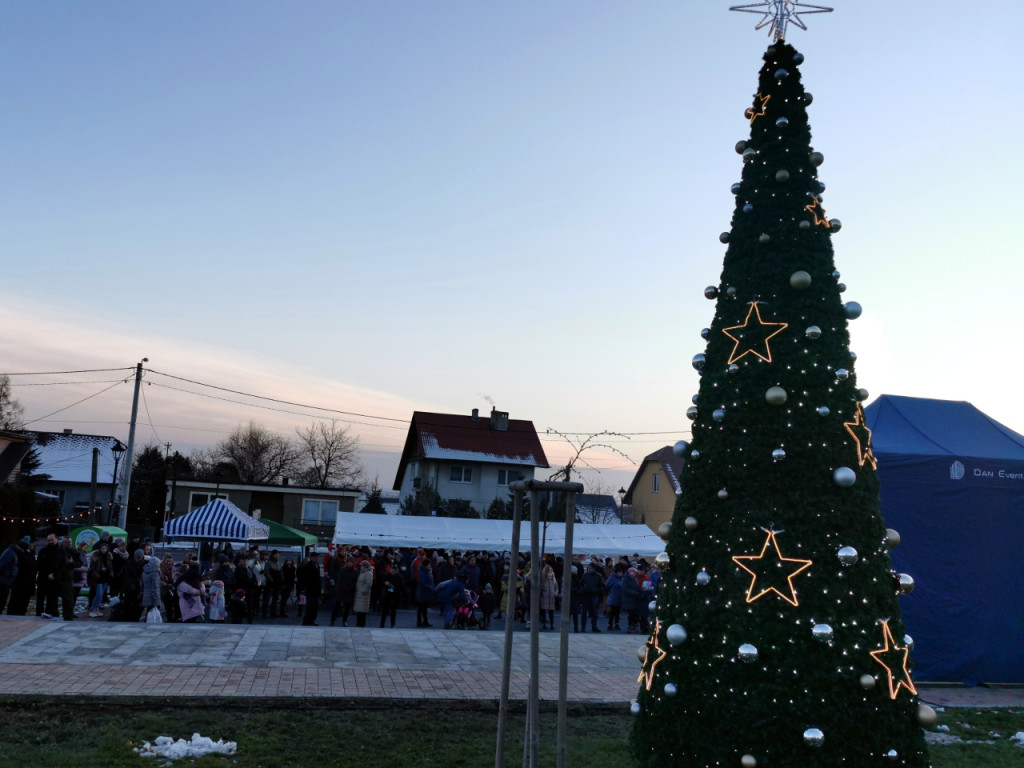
x,y
486,603
218,610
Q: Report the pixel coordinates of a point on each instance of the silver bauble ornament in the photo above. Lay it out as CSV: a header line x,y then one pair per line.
x,y
723,493
652,606
747,653
670,689
711,292
778,454
892,538
822,633
906,583
782,122
926,716
731,291
782,176
775,396
704,333
835,274
703,578
635,708
694,455
813,332
853,355
848,556
690,523
691,412
823,410
841,287
821,186
892,754
853,309
908,641
641,653
724,237
814,737
749,154
764,238
664,530
816,158
861,394
663,560
844,477
741,146
808,98
781,74
733,368
835,225
800,280
748,761
842,374
718,414
798,58
867,682
698,361
676,634
804,224
748,208
736,188
680,448
694,399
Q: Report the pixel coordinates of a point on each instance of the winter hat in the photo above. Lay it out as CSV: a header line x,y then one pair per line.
x,y
139,553
239,593
26,540
487,588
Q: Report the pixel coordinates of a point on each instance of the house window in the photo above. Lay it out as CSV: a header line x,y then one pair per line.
x,y
319,512
506,476
461,475
654,482
197,500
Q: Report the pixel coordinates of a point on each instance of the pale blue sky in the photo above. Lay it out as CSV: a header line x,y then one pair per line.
x,y
387,206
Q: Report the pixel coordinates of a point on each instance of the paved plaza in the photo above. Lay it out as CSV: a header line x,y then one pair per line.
x,y
108,659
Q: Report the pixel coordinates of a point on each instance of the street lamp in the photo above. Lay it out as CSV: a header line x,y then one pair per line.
x,y
118,450
622,504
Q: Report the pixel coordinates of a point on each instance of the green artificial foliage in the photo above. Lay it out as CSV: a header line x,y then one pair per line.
x,y
759,470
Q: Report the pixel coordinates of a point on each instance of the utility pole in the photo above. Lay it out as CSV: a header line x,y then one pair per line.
x,y
126,476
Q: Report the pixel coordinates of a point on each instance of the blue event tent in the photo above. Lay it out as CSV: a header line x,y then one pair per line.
x,y
952,485
220,520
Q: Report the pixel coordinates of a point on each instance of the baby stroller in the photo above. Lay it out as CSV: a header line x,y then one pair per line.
x,y
465,607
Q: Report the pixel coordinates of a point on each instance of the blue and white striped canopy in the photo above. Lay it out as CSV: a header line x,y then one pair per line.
x,y
220,519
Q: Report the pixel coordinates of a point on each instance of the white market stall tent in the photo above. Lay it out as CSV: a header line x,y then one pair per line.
x,y
220,520
355,529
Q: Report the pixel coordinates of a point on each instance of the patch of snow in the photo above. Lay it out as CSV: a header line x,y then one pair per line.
x,y
169,749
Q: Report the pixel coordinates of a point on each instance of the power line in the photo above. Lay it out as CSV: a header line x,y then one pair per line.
x,y
60,373
79,402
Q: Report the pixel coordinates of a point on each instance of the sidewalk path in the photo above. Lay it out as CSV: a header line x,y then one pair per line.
x,y
90,658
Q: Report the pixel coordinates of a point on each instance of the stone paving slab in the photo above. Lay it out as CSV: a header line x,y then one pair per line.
x,y
91,658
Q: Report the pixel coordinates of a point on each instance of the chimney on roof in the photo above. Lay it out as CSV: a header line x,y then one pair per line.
x,y
476,414
67,431
499,420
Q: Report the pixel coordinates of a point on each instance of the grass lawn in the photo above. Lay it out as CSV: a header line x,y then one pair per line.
x,y
86,733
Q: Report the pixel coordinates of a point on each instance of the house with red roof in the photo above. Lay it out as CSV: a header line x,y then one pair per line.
x,y
468,457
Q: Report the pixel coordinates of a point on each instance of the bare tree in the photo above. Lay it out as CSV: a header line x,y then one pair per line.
x,y
259,455
331,455
10,408
581,446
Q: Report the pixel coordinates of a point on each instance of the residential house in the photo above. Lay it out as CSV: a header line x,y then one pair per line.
x,y
314,510
655,487
598,508
472,458
81,471
14,446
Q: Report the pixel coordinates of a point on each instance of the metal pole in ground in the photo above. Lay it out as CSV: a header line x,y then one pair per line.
x,y
563,650
506,661
534,705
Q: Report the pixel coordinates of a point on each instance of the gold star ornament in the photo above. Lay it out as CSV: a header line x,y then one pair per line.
x,y
755,112
753,335
774,572
894,659
818,212
861,437
654,656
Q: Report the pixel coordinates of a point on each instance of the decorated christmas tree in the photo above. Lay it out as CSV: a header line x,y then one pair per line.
x,y
777,640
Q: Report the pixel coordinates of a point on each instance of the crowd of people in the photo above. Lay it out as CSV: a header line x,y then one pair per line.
x,y
128,581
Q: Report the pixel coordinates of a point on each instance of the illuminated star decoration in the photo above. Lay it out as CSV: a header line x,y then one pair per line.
x,y
815,208
647,673
771,566
753,112
777,14
894,658
864,453
752,336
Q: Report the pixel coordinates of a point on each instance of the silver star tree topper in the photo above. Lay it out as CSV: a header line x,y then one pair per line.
x,y
777,14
